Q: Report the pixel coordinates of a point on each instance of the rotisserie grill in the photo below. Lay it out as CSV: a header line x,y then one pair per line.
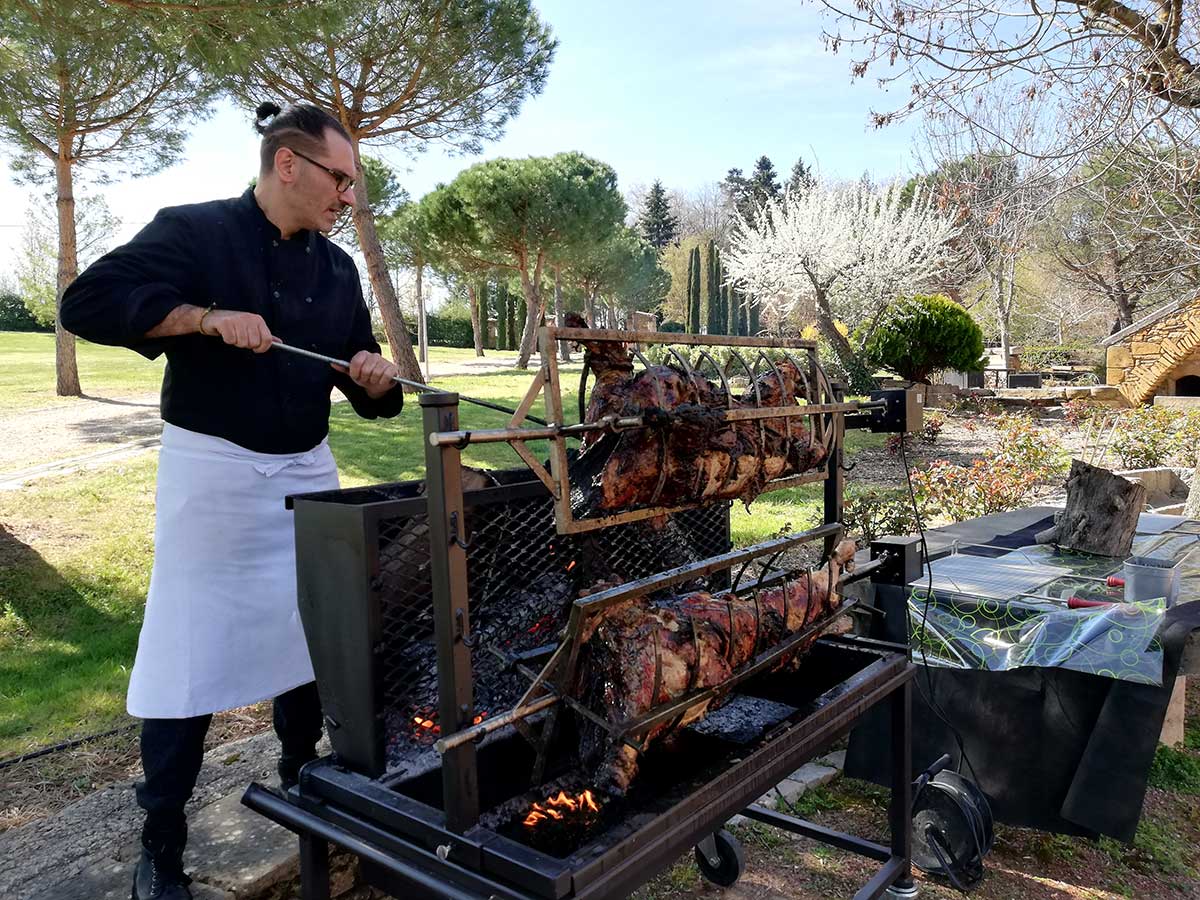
x,y
554,683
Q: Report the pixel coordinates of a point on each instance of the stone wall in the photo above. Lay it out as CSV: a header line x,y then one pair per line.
x,y
1148,359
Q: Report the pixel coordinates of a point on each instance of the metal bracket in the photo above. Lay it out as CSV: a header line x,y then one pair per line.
x,y
455,540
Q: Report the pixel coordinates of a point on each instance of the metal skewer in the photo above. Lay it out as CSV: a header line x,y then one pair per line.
x,y
415,385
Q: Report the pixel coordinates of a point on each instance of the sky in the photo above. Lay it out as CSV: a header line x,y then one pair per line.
x,y
658,89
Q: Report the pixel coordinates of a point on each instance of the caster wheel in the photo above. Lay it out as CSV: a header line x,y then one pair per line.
x,y
720,859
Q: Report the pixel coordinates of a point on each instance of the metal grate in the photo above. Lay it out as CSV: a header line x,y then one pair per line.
x,y
522,578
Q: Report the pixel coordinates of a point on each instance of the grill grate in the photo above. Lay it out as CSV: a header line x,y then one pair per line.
x,y
522,577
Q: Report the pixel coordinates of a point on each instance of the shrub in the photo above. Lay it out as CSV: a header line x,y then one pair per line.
x,y
974,405
1145,436
931,427
671,326
1038,358
986,486
1027,447
1083,412
874,513
922,334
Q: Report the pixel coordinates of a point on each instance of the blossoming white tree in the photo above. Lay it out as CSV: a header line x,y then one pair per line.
x,y
851,248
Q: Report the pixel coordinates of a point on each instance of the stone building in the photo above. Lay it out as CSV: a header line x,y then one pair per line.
x,y
1158,356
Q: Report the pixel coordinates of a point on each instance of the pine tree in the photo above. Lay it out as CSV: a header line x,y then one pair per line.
x,y
694,293
802,177
658,225
764,183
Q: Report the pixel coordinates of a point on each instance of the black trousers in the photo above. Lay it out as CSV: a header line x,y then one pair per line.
x,y
173,749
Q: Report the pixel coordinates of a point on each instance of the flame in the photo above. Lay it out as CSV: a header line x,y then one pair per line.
x,y
570,565
554,807
479,718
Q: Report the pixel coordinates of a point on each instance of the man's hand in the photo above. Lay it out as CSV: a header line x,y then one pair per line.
x,y
239,329
372,373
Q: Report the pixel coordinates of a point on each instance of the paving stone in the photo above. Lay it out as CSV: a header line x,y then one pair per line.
x,y
105,878
835,760
812,775
234,848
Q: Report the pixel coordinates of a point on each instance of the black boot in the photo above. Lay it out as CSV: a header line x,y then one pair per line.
x,y
290,765
160,876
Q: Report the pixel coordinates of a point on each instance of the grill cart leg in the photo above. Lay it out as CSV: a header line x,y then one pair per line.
x,y
314,868
900,809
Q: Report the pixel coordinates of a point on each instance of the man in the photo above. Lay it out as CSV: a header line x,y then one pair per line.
x,y
212,285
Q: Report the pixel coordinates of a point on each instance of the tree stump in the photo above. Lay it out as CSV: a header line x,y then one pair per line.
x,y
1101,514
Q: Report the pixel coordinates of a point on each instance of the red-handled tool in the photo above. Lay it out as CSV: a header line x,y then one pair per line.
x,y
1115,581
1083,603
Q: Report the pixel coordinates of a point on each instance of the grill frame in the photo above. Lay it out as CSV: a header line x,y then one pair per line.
x,y
347,800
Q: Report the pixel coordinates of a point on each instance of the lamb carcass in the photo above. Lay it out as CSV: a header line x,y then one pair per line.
x,y
689,453
638,655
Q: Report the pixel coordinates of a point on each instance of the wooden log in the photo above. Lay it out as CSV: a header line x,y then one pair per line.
x,y
1101,514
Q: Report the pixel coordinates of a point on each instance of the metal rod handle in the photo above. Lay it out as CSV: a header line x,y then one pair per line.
x,y
487,726
415,385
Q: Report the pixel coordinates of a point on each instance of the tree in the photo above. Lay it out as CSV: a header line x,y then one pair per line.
x,y
410,72
694,294
919,335
621,273
1121,240
518,216
120,104
716,311
658,225
802,177
1112,67
750,194
37,259
851,248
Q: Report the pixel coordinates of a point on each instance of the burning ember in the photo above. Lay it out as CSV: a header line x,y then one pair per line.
x,y
563,807
426,728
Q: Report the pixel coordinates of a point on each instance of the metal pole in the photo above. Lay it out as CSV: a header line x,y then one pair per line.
x,y
415,385
835,481
451,609
900,809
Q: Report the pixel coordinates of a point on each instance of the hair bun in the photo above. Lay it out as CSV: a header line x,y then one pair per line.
x,y
266,110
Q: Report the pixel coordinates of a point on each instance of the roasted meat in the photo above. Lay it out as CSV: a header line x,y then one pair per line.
x,y
638,655
688,453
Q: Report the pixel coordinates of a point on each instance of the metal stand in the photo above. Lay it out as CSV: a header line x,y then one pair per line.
x,y
895,876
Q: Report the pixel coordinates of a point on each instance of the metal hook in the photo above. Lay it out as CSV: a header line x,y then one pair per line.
x,y
463,542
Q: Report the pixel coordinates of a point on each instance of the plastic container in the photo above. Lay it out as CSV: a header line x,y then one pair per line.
x,y
1147,578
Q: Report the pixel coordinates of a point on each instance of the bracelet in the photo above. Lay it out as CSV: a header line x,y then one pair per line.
x,y
203,316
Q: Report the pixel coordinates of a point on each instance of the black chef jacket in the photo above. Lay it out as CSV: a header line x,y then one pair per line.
x,y
226,252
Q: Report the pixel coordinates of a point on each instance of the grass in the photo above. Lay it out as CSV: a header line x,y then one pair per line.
x,y
27,371
1175,770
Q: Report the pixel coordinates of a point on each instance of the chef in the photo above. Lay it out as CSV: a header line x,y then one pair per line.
x,y
211,285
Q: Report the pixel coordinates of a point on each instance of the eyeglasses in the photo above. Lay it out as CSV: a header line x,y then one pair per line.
x,y
343,182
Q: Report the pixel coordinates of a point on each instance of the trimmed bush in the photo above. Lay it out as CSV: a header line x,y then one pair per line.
x,y
673,327
919,335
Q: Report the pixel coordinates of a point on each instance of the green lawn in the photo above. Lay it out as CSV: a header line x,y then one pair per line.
x,y
75,551
27,371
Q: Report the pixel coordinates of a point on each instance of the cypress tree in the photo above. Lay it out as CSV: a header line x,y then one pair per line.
x,y
724,309
735,297
687,303
743,317
755,326
694,304
712,290
501,316
522,314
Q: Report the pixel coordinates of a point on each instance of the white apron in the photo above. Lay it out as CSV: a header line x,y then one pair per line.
x,y
221,627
